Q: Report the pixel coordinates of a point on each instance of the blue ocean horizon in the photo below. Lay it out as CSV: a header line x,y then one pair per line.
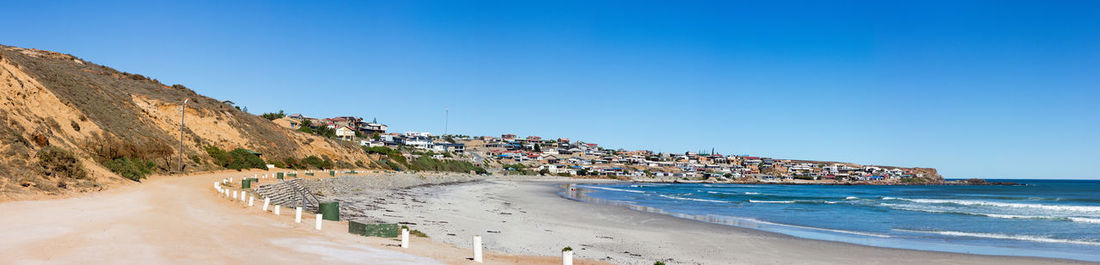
x,y
1040,218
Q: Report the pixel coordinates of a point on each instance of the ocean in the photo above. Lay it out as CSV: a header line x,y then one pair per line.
x,y
1043,218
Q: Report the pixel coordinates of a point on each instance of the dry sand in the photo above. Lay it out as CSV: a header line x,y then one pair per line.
x,y
182,220
529,218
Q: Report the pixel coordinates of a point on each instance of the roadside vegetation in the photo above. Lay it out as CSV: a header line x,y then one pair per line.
x,y
238,159
131,160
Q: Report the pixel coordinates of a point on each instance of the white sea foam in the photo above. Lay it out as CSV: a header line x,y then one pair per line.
x,y
1085,220
851,198
610,189
756,201
691,199
1074,208
730,193
820,228
993,215
1009,237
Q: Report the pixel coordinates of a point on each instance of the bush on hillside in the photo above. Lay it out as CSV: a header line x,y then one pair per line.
x,y
432,164
61,162
243,158
133,169
380,150
273,116
317,162
392,165
221,158
238,159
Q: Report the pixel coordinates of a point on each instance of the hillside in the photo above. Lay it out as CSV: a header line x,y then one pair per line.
x,y
64,118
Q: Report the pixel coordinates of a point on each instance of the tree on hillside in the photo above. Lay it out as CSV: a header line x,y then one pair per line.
x,y
274,116
306,126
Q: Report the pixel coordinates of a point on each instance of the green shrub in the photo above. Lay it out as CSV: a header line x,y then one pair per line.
x,y
380,150
238,159
243,158
391,164
221,158
273,116
292,163
133,169
659,263
432,164
60,161
317,162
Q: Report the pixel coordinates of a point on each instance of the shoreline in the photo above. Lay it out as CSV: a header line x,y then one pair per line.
x,y
529,217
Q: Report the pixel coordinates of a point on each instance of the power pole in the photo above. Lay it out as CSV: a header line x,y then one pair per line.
x,y
446,120
183,110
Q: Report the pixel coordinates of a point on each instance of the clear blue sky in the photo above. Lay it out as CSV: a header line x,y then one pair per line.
x,y
995,89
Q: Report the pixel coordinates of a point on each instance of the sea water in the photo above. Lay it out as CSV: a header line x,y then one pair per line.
x,y
1041,218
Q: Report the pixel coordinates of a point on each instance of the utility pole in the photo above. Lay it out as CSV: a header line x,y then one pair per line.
x,y
183,109
446,120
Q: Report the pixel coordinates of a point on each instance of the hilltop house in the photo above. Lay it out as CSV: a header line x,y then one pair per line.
x,y
346,133
419,140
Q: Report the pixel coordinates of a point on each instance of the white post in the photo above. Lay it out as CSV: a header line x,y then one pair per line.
x,y
276,209
230,179
477,249
566,257
251,200
404,238
318,226
298,215
267,201
226,193
234,195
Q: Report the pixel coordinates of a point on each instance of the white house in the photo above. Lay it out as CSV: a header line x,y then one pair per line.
x,y
345,132
419,140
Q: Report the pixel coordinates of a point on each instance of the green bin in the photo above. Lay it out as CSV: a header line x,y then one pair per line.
x,y
329,210
279,175
246,183
375,230
332,173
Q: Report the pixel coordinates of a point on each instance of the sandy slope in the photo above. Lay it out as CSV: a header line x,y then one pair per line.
x,y
181,220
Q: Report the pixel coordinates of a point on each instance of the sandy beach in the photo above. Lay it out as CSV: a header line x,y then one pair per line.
x,y
527,217
182,220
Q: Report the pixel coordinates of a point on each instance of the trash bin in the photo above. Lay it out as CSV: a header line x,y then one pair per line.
x,y
246,183
329,210
332,173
